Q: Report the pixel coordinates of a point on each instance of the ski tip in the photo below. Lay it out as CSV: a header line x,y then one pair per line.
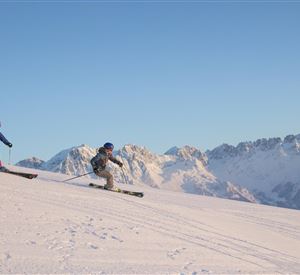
x,y
30,176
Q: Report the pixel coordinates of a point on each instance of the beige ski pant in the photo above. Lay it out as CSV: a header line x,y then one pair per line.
x,y
108,176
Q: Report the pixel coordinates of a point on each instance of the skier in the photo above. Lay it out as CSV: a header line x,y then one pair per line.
x,y
6,142
99,163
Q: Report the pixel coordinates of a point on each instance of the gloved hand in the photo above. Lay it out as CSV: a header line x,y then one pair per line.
x,y
120,164
9,145
95,169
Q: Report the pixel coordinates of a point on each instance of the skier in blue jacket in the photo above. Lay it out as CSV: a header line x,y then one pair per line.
x,y
6,142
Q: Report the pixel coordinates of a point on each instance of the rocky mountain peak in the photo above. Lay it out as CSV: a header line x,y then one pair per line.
x,y
222,151
32,162
292,143
187,153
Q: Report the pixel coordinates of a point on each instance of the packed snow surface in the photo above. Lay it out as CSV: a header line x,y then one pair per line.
x,y
48,226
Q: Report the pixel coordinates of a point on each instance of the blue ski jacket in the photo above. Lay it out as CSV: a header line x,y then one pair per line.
x,y
4,140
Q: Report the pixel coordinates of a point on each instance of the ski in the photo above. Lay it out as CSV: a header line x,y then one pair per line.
x,y
21,174
118,190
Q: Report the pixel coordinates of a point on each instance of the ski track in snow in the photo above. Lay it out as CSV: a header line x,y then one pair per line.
x,y
177,240
291,231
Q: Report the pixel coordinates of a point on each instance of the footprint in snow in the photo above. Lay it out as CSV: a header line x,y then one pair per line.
x,y
103,236
174,253
92,246
135,229
187,265
5,256
117,239
29,242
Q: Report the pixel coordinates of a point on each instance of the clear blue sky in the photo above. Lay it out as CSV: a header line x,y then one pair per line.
x,y
157,74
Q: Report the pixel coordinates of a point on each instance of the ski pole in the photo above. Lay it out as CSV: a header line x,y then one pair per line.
x,y
124,175
9,156
123,169
124,165
78,176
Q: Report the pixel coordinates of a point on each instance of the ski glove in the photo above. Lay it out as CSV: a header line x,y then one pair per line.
x,y
9,145
120,164
96,170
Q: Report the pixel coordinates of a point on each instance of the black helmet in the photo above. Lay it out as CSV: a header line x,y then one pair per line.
x,y
108,145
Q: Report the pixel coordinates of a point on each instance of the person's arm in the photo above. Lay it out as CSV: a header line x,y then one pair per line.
x,y
114,160
4,140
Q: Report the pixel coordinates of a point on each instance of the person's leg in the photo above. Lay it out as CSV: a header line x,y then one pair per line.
x,y
109,178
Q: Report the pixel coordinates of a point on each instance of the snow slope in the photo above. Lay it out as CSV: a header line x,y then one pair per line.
x,y
52,227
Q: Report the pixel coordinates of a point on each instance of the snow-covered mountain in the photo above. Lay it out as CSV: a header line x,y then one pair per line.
x,y
72,161
265,171
33,162
180,169
267,167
